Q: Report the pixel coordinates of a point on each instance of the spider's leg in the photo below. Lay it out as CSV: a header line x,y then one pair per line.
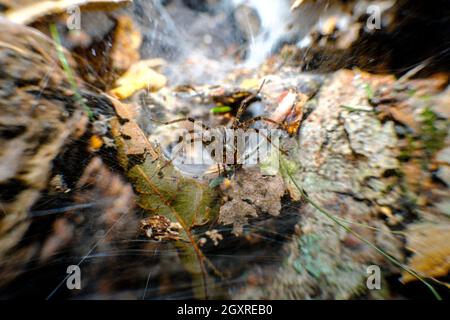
x,y
205,127
284,152
248,123
244,105
174,156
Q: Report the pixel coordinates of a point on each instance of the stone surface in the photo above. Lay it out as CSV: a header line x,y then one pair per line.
x,y
39,115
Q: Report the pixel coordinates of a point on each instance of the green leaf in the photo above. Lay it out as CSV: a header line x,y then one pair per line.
x,y
221,109
164,191
216,182
369,91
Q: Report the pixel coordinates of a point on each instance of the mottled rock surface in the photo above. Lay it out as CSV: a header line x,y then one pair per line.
x,y
38,117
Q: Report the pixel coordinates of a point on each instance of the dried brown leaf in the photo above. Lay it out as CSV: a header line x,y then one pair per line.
x,y
135,143
127,41
429,242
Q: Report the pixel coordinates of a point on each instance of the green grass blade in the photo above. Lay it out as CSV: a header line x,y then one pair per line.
x,y
68,70
346,228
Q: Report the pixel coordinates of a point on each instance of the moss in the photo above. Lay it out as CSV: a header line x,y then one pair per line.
x,y
433,135
337,275
411,92
309,245
407,151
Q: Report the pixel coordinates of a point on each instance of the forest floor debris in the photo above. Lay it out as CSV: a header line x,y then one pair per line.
x,y
371,149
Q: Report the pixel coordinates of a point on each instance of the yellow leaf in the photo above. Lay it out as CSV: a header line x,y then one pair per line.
x,y
139,76
296,4
249,84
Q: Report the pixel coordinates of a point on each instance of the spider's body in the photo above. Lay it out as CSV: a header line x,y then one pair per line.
x,y
226,147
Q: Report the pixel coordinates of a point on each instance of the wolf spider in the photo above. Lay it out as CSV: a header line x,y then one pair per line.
x,y
236,124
